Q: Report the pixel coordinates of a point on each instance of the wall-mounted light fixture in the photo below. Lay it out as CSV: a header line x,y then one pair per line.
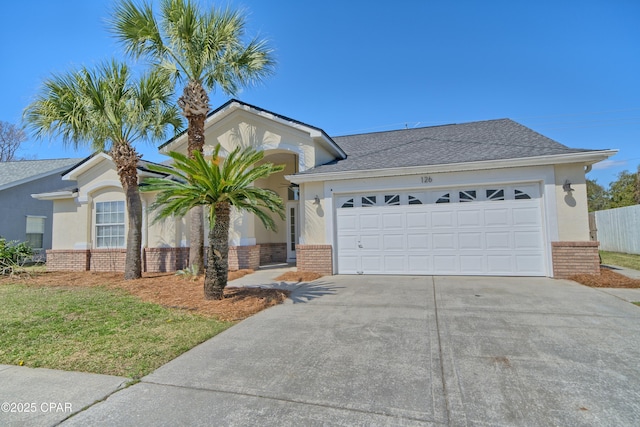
x,y
316,200
567,186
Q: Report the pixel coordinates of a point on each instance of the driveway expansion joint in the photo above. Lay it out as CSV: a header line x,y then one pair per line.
x,y
299,402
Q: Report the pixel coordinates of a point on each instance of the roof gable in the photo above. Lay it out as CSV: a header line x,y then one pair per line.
x,y
23,171
234,105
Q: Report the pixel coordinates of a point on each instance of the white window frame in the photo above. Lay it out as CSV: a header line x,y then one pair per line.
x,y
104,225
27,228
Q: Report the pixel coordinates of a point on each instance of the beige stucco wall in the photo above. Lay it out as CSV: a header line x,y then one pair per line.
x,y
169,232
312,220
573,217
244,129
69,225
278,183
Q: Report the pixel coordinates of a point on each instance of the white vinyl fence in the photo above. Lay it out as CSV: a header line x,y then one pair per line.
x,y
619,229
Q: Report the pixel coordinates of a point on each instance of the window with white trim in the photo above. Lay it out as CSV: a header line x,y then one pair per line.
x,y
110,225
35,232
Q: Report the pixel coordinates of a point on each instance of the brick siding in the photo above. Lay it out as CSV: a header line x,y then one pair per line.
x,y
314,258
273,252
108,259
68,260
571,258
241,257
162,260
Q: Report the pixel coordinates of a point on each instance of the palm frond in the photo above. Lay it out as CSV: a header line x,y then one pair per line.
x,y
196,181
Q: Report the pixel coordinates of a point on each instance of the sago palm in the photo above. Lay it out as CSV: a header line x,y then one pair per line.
x,y
198,182
204,49
109,110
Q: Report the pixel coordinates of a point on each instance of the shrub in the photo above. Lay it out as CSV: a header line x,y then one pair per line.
x,y
13,255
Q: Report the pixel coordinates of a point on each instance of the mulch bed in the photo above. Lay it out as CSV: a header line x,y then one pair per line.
x,y
169,290
607,279
294,276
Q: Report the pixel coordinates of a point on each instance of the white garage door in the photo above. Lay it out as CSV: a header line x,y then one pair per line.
x,y
480,231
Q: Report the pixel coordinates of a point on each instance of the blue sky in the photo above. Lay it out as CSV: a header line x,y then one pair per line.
x,y
567,69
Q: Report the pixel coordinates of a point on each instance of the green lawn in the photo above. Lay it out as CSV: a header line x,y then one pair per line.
x,y
620,259
94,330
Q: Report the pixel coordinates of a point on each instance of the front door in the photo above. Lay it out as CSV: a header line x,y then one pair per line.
x,y
292,230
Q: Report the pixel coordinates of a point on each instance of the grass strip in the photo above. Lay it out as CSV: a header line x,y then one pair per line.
x,y
95,329
621,259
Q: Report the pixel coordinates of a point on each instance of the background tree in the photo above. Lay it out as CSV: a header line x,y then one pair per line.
x,y
203,48
109,110
598,198
623,190
11,137
198,182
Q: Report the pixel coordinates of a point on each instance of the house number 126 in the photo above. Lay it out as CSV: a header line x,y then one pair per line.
x,y
426,179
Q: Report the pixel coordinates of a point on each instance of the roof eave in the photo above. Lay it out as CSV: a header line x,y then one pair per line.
x,y
33,178
587,158
56,195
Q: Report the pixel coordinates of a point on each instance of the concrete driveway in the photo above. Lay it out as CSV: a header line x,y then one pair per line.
x,y
363,350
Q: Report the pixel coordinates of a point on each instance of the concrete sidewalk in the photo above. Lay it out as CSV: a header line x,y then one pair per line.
x,y
45,397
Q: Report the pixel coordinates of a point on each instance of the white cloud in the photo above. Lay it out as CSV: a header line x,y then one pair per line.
x,y
609,164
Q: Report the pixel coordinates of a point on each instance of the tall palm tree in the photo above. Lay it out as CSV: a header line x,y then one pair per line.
x,y
204,49
108,109
198,182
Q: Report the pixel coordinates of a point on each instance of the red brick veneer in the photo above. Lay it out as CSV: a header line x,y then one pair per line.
x,y
273,252
161,260
68,260
314,258
241,257
571,258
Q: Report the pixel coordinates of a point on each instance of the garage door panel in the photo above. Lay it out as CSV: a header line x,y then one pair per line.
x,y
395,264
472,264
497,240
417,220
420,264
347,223
503,237
349,264
470,218
369,221
496,217
417,242
445,264
469,241
394,242
393,221
527,240
372,264
529,263
369,242
499,264
443,241
526,216
348,243
442,219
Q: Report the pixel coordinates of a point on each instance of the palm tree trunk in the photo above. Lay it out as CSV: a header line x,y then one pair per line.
x,y
195,106
126,159
215,279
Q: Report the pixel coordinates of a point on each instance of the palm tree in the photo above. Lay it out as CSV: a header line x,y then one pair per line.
x,y
205,49
107,109
198,182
